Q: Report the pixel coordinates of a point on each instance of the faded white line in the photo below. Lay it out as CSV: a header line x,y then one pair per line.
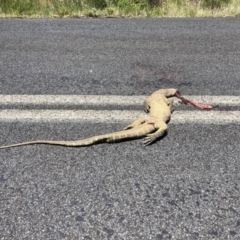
x,y
204,117
104,99
113,115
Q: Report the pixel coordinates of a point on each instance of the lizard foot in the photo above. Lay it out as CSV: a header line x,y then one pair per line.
x,y
149,139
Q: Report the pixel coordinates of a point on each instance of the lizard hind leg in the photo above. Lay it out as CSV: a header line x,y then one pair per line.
x,y
150,138
136,123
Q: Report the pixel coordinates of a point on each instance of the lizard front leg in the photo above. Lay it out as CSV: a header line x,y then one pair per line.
x,y
146,106
170,101
161,129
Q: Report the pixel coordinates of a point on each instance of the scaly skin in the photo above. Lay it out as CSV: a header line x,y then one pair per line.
x,y
158,105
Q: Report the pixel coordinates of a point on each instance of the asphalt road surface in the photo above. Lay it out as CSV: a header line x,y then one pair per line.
x,y
184,186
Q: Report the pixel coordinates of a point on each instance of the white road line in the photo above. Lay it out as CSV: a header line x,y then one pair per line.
x,y
104,99
216,117
203,117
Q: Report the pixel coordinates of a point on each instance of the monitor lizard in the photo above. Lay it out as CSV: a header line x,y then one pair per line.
x,y
159,106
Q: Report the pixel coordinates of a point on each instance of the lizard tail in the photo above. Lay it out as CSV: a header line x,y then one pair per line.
x,y
63,143
77,143
137,132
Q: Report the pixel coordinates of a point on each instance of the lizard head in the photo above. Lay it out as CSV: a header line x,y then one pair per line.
x,y
169,92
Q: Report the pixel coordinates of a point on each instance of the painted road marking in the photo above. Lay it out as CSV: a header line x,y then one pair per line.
x,y
203,117
11,114
7,100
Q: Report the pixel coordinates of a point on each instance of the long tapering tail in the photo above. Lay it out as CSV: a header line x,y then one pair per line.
x,y
137,132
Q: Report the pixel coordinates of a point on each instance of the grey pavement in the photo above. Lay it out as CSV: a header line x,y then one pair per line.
x,y
120,56
184,186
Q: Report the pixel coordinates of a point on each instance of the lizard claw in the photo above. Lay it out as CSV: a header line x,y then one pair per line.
x,y
148,140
